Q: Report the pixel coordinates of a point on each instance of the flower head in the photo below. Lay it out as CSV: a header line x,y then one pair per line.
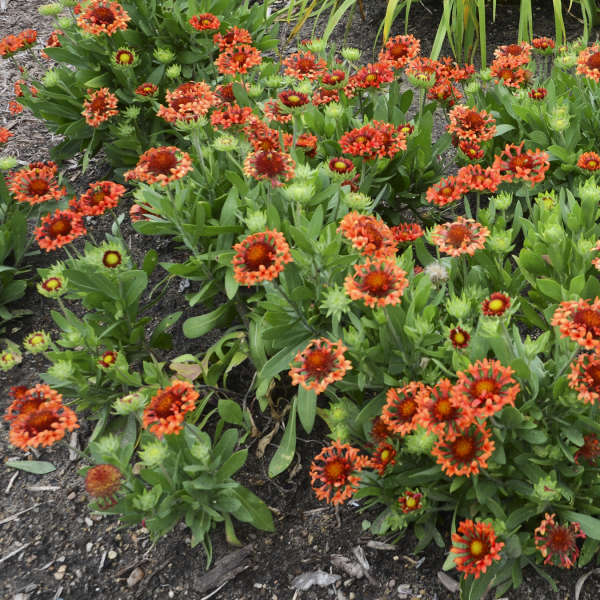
x,y
58,229
476,548
384,455
401,410
370,76
538,93
369,235
400,50
514,164
99,197
580,321
584,377
125,57
322,362
378,282
161,165
188,102
36,184
333,472
474,177
108,359
496,305
36,342
466,453
167,408
508,71
232,37
5,135
588,63
410,501
445,191
99,106
590,450
102,482
589,161
485,388
269,164
9,358
205,22
238,59
103,16
146,89
544,45
459,337
53,41
28,400
558,543
230,116
464,236
469,124
304,65
407,232
260,257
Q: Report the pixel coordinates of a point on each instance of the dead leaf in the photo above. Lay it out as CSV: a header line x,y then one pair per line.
x,y
581,581
306,580
361,558
189,371
266,440
349,566
450,584
380,545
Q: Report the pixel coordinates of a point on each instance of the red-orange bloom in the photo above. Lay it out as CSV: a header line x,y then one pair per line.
x,y
466,453
331,472
336,77
475,177
438,415
59,229
580,321
519,53
11,44
472,150
102,482
36,184
377,282
272,165
410,501
529,165
496,305
407,232
543,43
368,234
53,41
322,362
459,337
305,141
485,388
261,136
108,359
230,116
590,450
468,124
401,410
238,59
15,107
293,99
146,89
588,63
464,236
445,191
188,102
538,93
374,140
99,106
590,161
444,91
28,400
5,134
99,197
558,543
161,165
167,408
325,96
103,16
384,455
232,37
584,377
260,257
476,549
205,22
399,50
380,431
273,112
507,70
19,90
42,427
304,65
341,165
370,76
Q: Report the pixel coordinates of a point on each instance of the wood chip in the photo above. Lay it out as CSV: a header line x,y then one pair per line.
x,y
10,483
13,552
225,569
380,545
450,584
581,581
43,488
16,515
73,446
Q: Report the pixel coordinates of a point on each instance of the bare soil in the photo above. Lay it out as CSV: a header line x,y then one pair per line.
x,y
64,552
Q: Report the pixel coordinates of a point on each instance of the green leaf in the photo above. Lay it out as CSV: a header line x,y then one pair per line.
x,y
550,288
230,411
285,453
590,525
307,408
39,467
255,511
197,326
233,464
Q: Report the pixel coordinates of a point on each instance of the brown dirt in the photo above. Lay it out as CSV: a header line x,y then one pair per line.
x,y
69,553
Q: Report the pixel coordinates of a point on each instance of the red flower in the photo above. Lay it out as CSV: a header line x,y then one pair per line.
x,y
322,362
99,106
378,282
325,96
579,320
410,501
161,165
584,378
261,136
407,232
538,93
59,229
370,76
589,161
496,305
36,184
103,16
205,22
558,543
380,431
28,400
445,191
459,337
260,257
519,54
472,150
476,549
588,63
485,388
399,50
272,165
384,455
341,165
474,177
464,236
369,235
336,77
529,165
293,99
233,37
102,482
507,70
230,116
590,450
543,43
238,59
167,408
335,475
304,65
53,41
469,124
108,359
188,102
5,134
99,197
375,140
401,410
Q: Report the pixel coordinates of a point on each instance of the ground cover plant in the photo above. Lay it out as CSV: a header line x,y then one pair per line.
x,y
433,299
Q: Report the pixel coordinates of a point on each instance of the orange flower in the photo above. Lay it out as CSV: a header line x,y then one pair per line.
x,y
377,282
230,116
161,165
580,321
5,134
99,106
167,408
53,41
590,161
261,136
558,543
445,191
99,197
464,236
529,165
590,450
476,549
384,455
260,257
472,150
271,165
410,501
444,91
28,400
485,388
304,65
438,415
466,453
335,473
19,90
15,107
146,89
272,110
233,37
42,427
188,102
305,141
343,166
459,337
238,59
543,44
468,124
496,305
399,50
102,16
474,177
507,70
380,431
140,212
293,99
584,378
520,54
336,77
401,410
370,76
406,232
325,96
588,63
369,235
322,362
205,22
375,140
36,184
59,229
102,482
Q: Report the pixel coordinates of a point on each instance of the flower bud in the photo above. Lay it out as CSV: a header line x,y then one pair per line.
x,y
64,22
500,241
546,489
9,358
437,272
351,54
163,55
458,307
546,200
201,452
553,234
333,110
37,342
147,500
304,87
256,221
341,432
226,143
335,302
173,71
69,3
273,81
420,441
566,61
50,10
132,112
154,453
51,78
584,247
299,192
255,90
62,369
502,201
316,45
125,130
8,162
108,444
357,200
304,172
589,191
129,404
472,87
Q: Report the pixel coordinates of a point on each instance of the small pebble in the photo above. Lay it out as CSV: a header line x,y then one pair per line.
x,y
351,596
60,572
88,522
72,496
112,555
89,546
135,577
171,594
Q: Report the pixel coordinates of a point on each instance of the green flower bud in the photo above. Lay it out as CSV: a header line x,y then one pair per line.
x,y
341,432
424,81
338,412
9,358
37,342
316,45
53,285
154,453
502,201
51,78
485,75
553,234
420,441
273,81
472,87
255,90
458,307
500,241
163,55
173,71
304,172
62,369
108,444
226,143
333,111
201,452
584,247
351,54
8,162
546,200
335,301
357,201
50,10
64,22
126,130
132,112
68,3
305,87
589,191
147,500
546,489
299,192
130,404
566,61
256,221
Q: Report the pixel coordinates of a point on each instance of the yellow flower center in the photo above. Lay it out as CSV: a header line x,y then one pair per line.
x,y
496,305
411,502
477,548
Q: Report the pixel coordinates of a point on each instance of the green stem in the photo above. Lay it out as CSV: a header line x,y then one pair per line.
x,y
294,306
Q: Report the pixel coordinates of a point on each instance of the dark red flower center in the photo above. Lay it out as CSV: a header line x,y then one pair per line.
x,y
588,317
407,408
38,186
399,50
98,104
473,120
560,539
98,196
239,58
593,62
457,234
257,254
305,64
521,161
269,163
336,470
318,362
124,57
377,283
102,481
103,15
41,420
514,50
463,448
165,404
593,371
444,411
61,226
161,162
